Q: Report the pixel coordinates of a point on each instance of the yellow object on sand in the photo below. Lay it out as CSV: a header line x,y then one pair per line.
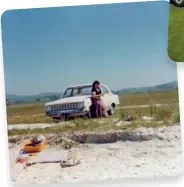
x,y
29,148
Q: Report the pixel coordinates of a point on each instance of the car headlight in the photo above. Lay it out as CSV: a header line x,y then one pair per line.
x,y
81,105
48,109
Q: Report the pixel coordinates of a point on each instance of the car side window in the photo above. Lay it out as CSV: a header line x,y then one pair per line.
x,y
86,90
68,93
76,92
104,89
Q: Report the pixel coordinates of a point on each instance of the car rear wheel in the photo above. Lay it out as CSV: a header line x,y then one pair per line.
x,y
111,110
178,3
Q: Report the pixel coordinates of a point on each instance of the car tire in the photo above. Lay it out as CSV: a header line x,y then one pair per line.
x,y
110,111
56,120
88,115
65,118
178,3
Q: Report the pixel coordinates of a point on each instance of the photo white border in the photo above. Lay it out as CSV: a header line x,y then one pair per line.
x,y
4,154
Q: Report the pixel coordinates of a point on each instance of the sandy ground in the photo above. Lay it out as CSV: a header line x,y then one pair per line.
x,y
126,159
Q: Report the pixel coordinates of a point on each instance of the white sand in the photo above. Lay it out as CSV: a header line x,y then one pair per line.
x,y
111,161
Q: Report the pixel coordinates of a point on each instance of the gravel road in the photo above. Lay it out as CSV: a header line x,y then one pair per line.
x,y
126,159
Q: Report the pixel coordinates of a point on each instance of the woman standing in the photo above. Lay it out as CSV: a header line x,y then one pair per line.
x,y
97,102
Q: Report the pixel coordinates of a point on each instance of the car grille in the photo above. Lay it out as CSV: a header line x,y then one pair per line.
x,y
68,106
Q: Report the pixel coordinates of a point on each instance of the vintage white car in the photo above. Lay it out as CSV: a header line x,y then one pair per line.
x,y
76,101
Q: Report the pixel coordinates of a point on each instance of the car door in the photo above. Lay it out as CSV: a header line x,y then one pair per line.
x,y
106,98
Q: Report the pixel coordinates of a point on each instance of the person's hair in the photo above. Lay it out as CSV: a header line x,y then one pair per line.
x,y
94,83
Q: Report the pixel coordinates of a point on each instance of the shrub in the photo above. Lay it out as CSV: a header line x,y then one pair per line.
x,y
176,117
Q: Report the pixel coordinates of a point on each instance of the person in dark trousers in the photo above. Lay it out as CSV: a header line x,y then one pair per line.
x,y
97,102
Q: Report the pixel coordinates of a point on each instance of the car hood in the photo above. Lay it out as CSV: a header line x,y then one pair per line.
x,y
74,99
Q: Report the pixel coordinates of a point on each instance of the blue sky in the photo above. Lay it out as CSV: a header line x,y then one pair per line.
x,y
122,45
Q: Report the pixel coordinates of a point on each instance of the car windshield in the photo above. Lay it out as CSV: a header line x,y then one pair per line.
x,y
77,91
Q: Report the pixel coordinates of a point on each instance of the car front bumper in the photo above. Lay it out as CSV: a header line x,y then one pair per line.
x,y
70,113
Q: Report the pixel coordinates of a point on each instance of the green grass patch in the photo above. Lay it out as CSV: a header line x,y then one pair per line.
x,y
176,36
175,117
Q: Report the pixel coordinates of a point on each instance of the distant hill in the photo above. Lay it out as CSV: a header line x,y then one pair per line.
x,y
162,87
45,97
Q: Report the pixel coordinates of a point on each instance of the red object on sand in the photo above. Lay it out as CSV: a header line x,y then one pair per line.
x,y
21,160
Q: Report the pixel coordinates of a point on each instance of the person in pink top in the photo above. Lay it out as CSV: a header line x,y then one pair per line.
x,y
97,101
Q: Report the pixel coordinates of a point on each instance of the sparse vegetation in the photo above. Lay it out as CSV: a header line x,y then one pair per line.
x,y
34,113
159,113
80,125
163,115
149,98
175,117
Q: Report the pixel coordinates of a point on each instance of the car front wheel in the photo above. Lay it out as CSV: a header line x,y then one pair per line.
x,y
178,3
56,120
87,116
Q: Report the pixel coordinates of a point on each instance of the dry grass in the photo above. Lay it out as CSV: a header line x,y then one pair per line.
x,y
167,97
28,113
176,117
80,125
164,116
34,113
159,113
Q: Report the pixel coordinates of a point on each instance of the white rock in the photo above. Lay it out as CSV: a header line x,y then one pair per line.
x,y
147,118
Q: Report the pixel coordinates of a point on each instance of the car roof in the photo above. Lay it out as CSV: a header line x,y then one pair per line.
x,y
83,85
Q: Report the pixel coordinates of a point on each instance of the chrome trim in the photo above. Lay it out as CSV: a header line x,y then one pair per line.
x,y
66,106
70,112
